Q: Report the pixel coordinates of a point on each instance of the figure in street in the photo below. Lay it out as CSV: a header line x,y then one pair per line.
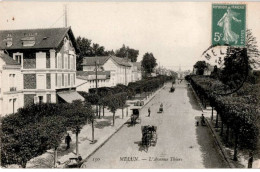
x,y
149,112
67,141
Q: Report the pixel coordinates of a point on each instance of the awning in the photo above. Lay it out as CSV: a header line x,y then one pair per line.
x,y
70,96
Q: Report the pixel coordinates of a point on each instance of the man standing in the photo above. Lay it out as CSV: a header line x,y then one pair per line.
x,y
149,112
67,141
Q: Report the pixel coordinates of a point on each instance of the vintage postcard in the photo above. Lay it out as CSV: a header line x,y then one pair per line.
x,y
129,85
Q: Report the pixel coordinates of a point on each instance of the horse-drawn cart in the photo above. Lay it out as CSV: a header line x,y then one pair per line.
x,y
135,117
149,136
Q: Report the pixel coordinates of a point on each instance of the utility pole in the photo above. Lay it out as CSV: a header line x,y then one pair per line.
x,y
65,16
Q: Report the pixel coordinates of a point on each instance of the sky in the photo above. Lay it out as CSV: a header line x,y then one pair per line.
x,y
176,33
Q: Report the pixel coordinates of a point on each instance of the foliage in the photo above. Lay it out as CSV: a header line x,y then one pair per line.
x,y
240,111
148,62
252,49
200,66
37,128
131,53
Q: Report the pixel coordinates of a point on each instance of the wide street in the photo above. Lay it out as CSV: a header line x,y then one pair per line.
x,y
180,144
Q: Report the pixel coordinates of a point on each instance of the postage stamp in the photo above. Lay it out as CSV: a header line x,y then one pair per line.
x,y
228,24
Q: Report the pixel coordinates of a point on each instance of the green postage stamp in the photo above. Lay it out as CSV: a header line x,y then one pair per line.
x,y
228,24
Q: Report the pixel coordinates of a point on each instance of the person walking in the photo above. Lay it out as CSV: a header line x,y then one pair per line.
x,y
67,141
149,112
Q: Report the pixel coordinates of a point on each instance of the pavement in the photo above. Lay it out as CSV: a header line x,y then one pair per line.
x,y
180,143
103,132
226,152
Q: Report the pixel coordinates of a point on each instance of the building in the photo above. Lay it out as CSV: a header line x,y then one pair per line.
x,y
120,68
48,63
10,85
136,71
87,79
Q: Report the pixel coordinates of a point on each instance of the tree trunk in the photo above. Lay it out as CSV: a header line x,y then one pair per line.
x,y
235,147
55,156
250,160
96,110
227,134
103,110
122,113
126,111
92,122
99,111
212,110
77,144
114,119
216,125
222,126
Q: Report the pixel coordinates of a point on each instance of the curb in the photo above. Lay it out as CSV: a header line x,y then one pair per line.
x,y
107,139
219,144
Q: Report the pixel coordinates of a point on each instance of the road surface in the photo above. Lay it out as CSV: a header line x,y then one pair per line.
x,y
180,143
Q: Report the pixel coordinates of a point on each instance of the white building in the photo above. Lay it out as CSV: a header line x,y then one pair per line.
x,y
136,71
120,69
48,63
87,79
10,85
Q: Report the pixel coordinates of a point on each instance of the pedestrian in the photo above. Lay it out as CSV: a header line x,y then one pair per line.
x,y
67,141
149,112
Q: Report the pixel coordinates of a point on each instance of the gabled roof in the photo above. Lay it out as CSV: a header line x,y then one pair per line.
x,y
90,61
44,38
8,60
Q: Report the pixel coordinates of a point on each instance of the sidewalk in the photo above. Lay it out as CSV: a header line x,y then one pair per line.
x,y
225,151
103,132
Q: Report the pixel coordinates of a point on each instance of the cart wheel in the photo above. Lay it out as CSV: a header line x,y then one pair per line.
x,y
83,165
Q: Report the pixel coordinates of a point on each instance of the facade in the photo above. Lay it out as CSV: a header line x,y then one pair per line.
x,y
87,79
10,85
48,62
136,71
120,69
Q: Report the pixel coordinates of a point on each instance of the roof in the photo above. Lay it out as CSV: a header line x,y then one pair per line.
x,y
70,96
90,75
44,38
8,60
90,61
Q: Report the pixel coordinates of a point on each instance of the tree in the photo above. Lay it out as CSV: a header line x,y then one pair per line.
x,y
252,49
200,66
84,45
112,103
131,53
148,62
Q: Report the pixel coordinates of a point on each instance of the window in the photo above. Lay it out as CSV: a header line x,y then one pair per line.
x,y
65,61
66,80
69,61
48,81
62,79
69,79
41,60
59,80
12,82
48,98
48,60
56,80
62,61
18,58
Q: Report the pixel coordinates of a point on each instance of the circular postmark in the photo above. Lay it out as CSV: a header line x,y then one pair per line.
x,y
229,65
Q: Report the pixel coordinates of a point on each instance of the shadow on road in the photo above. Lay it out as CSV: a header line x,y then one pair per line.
x,y
211,159
192,100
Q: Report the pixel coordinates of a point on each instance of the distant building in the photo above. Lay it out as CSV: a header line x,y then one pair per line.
x,y
87,79
136,71
48,63
120,69
10,85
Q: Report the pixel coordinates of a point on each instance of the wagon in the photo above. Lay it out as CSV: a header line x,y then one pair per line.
x,y
135,117
149,136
